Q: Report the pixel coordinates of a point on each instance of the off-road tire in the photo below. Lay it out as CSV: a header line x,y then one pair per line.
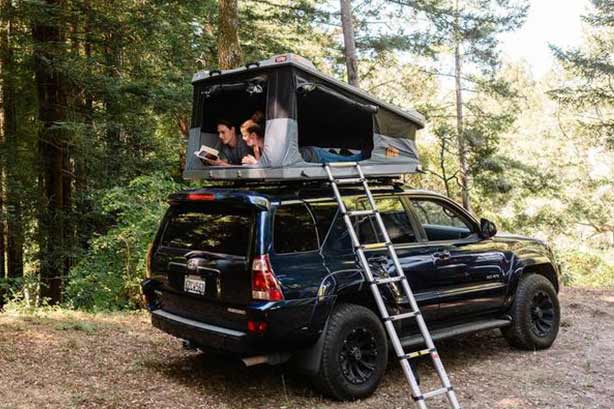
x,y
343,324
523,333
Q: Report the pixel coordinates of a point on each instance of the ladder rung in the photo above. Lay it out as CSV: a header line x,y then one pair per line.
x,y
436,392
361,213
348,181
375,246
402,316
418,353
341,164
387,280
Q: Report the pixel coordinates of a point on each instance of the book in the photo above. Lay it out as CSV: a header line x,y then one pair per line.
x,y
207,152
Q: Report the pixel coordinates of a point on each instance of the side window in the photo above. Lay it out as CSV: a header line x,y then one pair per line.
x,y
395,219
324,213
294,229
440,221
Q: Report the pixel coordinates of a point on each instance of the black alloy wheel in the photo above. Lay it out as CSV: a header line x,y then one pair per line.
x,y
542,314
536,314
354,353
358,356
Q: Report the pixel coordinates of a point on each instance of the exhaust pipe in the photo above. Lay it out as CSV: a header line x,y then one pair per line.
x,y
271,359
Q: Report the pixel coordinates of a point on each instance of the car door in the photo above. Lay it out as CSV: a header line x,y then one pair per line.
x,y
415,263
470,271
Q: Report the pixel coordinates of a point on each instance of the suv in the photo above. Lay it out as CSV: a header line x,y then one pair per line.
x,y
269,274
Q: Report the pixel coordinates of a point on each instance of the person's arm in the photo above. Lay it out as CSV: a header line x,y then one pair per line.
x,y
249,160
217,162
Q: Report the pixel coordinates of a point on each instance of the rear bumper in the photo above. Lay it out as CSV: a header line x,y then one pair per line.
x,y
203,334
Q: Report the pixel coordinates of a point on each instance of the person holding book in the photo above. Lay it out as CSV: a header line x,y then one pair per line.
x,y
231,147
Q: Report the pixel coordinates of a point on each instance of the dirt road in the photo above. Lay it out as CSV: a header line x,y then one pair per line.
x,y
75,360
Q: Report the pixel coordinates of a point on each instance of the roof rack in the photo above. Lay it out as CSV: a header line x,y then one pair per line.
x,y
294,183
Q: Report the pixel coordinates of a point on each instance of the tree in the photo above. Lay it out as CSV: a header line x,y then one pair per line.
x,y
349,49
467,30
589,90
229,48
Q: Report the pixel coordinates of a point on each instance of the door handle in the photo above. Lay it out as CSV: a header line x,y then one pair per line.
x,y
441,255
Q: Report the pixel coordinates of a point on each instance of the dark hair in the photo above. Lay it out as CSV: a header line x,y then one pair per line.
x,y
257,129
258,117
225,122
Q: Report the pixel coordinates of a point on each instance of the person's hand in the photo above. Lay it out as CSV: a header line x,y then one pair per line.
x,y
215,162
249,160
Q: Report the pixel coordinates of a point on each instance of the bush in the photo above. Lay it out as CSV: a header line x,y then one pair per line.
x,y
108,276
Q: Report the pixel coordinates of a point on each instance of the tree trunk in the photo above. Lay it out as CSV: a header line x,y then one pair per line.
x,y
14,229
349,49
48,49
462,151
229,48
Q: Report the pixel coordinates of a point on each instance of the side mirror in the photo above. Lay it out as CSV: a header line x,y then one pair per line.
x,y
487,229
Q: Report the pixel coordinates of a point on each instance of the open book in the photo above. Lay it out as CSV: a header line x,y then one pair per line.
x,y
206,152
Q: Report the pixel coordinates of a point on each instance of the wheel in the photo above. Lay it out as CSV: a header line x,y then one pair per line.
x,y
354,355
536,314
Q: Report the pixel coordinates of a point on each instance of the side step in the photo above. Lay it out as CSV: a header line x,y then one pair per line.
x,y
438,334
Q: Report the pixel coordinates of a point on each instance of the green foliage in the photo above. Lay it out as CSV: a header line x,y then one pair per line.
x,y
109,273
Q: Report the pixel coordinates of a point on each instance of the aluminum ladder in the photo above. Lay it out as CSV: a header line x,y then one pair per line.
x,y
374,283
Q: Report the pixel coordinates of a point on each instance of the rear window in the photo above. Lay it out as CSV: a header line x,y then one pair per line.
x,y
213,228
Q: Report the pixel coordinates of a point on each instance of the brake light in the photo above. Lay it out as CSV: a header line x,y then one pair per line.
x,y
200,196
264,283
256,327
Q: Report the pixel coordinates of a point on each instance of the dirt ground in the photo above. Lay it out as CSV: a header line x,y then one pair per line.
x,y
75,360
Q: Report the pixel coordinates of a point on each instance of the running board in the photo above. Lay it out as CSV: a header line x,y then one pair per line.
x,y
438,334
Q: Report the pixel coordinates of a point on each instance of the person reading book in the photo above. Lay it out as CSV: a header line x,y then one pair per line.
x,y
254,138
232,149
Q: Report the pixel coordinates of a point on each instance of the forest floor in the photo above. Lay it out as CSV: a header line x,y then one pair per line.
x,y
67,359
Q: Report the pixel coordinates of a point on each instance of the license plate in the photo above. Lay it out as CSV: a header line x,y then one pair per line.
x,y
194,285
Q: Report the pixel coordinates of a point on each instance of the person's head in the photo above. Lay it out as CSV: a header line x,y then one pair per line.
x,y
257,118
254,136
226,131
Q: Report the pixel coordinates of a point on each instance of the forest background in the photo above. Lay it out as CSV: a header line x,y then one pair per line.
x,y
95,105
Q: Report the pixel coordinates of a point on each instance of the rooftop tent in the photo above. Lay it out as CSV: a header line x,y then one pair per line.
x,y
302,107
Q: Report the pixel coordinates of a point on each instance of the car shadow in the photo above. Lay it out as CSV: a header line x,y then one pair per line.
x,y
224,375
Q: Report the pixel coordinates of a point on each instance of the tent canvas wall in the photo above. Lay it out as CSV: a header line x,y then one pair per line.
x,y
302,107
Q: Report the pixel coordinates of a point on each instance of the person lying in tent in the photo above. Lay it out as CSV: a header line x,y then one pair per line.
x,y
232,148
254,137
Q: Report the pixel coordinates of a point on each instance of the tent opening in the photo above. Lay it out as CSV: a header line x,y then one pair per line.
x,y
331,120
235,103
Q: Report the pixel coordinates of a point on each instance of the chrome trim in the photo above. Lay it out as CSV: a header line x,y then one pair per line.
x,y
197,324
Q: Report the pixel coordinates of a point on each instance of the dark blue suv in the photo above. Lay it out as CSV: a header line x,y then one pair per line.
x,y
269,274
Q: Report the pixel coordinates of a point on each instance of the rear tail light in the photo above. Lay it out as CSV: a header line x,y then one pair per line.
x,y
264,283
201,196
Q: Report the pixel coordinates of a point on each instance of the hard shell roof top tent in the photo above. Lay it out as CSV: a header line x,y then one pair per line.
x,y
302,107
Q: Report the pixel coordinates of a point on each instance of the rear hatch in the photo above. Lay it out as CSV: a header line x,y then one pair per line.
x,y
202,257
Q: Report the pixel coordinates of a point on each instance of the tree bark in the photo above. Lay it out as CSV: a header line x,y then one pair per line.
x,y
229,47
50,84
349,49
462,150
14,229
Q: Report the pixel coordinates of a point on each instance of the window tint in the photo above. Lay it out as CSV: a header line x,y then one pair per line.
x,y
393,214
395,219
440,221
324,213
209,228
294,229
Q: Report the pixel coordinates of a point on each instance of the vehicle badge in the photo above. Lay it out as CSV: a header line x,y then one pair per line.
x,y
192,265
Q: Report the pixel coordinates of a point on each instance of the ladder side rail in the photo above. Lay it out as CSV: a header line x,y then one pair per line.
x,y
441,372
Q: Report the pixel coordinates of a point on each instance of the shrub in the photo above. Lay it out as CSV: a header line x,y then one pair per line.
x,y
108,276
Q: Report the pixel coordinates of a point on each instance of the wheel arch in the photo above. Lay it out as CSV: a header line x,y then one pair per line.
x,y
545,269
